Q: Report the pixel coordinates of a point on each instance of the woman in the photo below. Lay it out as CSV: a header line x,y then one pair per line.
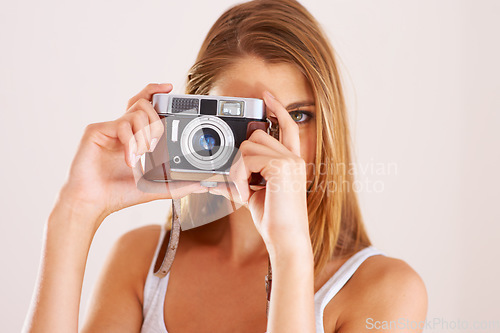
x,y
326,276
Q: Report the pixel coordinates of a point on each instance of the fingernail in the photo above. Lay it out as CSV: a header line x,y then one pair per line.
x,y
153,144
137,158
270,95
132,159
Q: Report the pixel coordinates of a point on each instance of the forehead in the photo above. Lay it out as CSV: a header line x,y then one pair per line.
x,y
250,77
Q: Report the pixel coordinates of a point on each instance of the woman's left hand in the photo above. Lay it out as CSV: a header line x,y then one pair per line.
x,y
279,210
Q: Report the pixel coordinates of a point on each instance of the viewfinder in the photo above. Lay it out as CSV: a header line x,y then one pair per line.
x,y
231,108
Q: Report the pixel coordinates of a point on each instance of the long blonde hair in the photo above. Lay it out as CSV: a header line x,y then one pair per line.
x,y
284,31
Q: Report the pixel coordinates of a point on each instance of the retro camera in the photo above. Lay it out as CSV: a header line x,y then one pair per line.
x,y
202,136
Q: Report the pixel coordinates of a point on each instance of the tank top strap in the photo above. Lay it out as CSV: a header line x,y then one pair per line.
x,y
338,280
152,282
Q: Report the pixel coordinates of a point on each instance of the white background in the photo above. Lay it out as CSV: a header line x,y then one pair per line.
x,y
422,83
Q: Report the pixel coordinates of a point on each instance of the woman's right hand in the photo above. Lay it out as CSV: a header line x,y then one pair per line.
x,y
104,172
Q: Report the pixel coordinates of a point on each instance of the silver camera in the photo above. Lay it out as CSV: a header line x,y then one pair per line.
x,y
202,136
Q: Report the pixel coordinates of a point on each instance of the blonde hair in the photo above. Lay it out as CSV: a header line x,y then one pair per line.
x,y
284,31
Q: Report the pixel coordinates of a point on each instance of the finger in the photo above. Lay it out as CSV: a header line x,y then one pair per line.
x,y
267,166
126,136
179,189
242,170
156,127
239,176
229,191
261,137
289,129
165,190
253,148
240,173
148,92
140,127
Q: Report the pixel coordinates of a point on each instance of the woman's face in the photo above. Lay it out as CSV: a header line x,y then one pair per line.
x,y
250,77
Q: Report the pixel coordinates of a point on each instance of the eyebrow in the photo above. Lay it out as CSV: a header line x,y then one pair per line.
x,y
299,105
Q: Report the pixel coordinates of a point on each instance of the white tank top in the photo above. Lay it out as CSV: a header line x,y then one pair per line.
x,y
155,289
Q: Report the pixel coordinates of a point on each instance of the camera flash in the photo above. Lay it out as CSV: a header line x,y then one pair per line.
x,y
231,108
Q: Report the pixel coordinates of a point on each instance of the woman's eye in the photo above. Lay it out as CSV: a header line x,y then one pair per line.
x,y
301,116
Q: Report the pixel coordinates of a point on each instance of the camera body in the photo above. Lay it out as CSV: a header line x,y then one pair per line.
x,y
202,136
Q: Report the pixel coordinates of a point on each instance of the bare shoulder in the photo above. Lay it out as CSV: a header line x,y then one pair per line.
x,y
136,248
143,238
388,273
122,282
383,290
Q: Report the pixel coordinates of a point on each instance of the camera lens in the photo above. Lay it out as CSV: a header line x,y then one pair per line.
x,y
206,142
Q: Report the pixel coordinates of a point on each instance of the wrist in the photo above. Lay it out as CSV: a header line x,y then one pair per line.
x,y
296,251
90,203
76,215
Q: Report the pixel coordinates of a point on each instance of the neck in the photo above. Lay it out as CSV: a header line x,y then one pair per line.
x,y
235,236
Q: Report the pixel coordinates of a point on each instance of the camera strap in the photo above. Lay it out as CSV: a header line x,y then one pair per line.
x,y
168,249
269,279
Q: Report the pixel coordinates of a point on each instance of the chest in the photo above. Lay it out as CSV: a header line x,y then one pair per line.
x,y
215,298
205,294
